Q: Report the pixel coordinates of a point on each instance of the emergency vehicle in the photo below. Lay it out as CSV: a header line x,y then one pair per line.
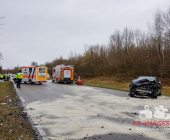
x,y
34,74
63,74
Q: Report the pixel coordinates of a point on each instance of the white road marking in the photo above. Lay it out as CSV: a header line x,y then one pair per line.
x,y
42,133
22,99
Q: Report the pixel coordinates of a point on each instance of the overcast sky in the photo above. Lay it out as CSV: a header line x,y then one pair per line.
x,y
42,30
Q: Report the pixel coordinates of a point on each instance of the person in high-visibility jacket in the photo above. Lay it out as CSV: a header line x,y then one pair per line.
x,y
7,76
19,77
1,76
75,78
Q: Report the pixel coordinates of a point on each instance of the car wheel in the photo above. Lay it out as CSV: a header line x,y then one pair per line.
x,y
30,82
15,80
160,94
131,94
154,93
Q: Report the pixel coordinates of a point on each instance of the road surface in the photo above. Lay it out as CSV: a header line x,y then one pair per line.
x,y
66,111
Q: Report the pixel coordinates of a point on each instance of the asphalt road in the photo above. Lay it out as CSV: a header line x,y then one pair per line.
x,y
65,111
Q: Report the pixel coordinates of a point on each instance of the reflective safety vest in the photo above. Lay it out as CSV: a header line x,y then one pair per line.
x,y
19,75
2,76
7,75
75,77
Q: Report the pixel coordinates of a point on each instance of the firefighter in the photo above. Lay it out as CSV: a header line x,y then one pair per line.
x,y
75,78
19,77
7,76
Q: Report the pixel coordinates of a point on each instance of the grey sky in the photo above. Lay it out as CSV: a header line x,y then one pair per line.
x,y
42,30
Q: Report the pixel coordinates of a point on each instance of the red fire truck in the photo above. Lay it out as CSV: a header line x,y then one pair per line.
x,y
63,74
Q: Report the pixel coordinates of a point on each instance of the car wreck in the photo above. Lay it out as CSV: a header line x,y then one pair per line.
x,y
145,86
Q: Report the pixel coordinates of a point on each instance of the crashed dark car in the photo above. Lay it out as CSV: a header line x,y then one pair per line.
x,y
145,86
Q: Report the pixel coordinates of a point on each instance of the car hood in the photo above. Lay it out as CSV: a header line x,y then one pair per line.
x,y
143,82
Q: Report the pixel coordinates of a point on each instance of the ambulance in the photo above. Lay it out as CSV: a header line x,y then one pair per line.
x,y
34,74
63,74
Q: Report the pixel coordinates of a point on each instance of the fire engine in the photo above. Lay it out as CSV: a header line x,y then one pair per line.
x,y
34,74
63,74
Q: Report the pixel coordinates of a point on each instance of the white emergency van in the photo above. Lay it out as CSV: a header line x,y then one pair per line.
x,y
34,74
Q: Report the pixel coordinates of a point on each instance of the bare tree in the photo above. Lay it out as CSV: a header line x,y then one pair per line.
x,y
1,24
1,56
166,23
166,19
128,39
0,69
34,63
157,34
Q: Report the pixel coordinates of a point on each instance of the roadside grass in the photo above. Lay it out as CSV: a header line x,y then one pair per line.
x,y
166,90
119,83
14,123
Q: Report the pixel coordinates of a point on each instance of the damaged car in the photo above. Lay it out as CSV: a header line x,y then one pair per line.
x,y
145,86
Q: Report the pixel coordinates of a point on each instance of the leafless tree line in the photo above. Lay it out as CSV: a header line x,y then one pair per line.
x,y
129,53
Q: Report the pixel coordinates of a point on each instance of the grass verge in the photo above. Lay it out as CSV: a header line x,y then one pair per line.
x,y
14,123
120,83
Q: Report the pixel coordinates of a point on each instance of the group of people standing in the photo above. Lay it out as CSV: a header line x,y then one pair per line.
x,y
19,77
5,76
